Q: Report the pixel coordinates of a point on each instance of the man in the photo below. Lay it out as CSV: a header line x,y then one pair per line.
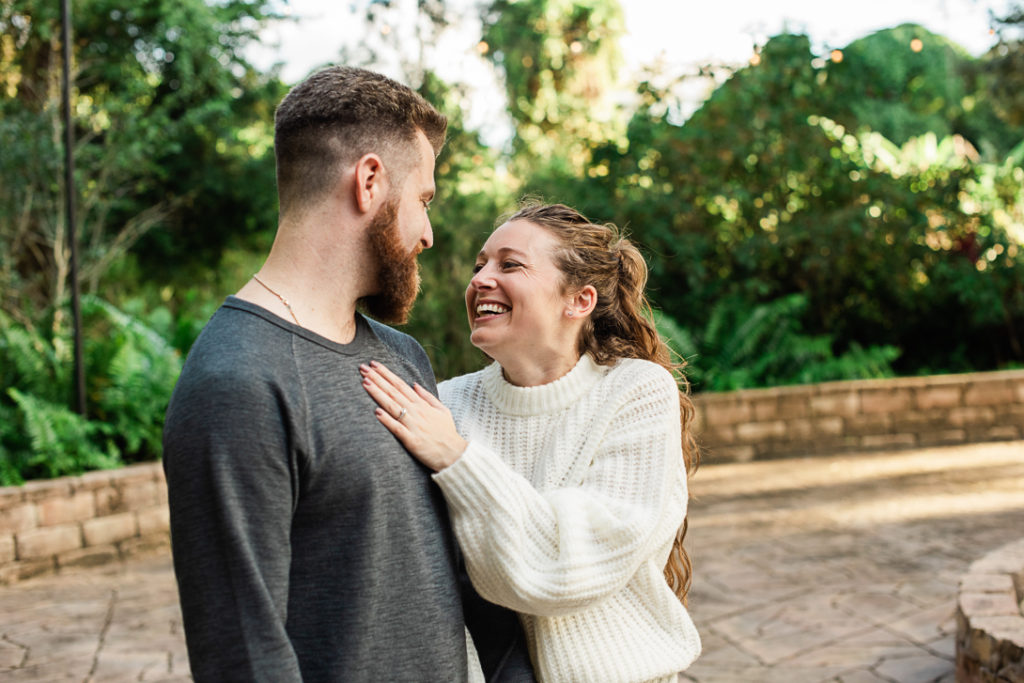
x,y
308,544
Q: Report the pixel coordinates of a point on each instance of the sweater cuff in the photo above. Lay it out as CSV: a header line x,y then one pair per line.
x,y
467,482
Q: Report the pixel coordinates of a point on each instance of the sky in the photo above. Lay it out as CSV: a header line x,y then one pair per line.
x,y
681,33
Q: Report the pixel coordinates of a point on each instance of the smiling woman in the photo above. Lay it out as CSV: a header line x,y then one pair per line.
x,y
564,463
518,309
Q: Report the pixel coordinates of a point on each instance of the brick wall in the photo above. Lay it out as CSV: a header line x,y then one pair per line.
x,y
862,415
79,521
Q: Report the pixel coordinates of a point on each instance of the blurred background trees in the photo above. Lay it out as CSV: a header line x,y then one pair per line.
x,y
852,214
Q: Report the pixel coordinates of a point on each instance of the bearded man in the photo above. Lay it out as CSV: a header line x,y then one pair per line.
x,y
308,545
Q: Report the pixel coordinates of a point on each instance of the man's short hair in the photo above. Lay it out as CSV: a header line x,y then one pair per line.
x,y
336,116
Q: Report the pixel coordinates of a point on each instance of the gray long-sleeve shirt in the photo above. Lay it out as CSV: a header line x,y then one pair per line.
x,y
308,544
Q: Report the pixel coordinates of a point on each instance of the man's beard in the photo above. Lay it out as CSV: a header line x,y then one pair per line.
x,y
398,272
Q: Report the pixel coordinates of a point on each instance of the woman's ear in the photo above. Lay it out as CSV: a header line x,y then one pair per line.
x,y
583,302
369,182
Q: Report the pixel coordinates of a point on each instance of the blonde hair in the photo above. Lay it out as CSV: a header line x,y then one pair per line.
x,y
621,325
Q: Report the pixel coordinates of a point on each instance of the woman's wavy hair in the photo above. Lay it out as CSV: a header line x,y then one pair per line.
x,y
621,325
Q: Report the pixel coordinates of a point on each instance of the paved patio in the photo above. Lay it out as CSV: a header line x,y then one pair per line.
x,y
815,569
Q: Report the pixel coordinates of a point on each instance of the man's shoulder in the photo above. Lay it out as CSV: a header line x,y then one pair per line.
x,y
406,350
402,343
235,350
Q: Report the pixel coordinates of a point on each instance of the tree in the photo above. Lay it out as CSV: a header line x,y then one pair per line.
x,y
758,197
161,89
560,60
906,81
1003,68
900,82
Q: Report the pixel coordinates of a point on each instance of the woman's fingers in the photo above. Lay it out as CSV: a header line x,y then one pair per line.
x,y
415,416
427,396
384,397
394,426
394,380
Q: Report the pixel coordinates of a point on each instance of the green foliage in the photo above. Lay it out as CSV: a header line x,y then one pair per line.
x,y
741,347
817,218
132,370
31,362
560,60
758,196
58,441
1000,77
906,81
133,373
171,129
899,82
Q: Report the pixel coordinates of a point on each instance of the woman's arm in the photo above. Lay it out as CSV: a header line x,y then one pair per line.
x,y
553,552
557,552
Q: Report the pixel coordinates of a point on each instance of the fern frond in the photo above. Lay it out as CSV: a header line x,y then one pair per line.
x,y
30,362
60,440
134,375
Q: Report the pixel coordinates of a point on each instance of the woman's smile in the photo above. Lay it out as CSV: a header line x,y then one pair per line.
x,y
490,310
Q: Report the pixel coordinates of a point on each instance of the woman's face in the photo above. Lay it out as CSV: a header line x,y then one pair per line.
x,y
515,301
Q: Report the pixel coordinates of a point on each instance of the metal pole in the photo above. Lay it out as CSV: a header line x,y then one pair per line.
x,y
69,202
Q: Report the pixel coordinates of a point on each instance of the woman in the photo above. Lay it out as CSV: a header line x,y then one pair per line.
x,y
564,462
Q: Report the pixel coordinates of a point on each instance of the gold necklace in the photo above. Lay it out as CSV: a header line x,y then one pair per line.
x,y
283,300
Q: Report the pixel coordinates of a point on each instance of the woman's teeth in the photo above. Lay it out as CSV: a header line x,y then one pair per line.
x,y
491,308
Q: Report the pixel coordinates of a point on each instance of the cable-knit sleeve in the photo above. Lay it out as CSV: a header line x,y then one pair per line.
x,y
556,552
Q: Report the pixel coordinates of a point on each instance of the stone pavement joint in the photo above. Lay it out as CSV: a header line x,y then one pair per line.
x,y
839,569
103,632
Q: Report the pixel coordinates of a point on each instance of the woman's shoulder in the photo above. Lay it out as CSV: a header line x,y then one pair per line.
x,y
631,383
636,372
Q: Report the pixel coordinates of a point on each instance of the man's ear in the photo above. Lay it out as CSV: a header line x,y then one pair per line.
x,y
583,302
370,182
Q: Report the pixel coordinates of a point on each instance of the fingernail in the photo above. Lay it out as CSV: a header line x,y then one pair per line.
x,y
374,364
364,369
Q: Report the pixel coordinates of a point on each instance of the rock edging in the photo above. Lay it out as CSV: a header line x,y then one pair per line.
x,y
990,618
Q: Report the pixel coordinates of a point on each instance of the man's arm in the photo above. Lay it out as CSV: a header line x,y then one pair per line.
x,y
498,637
231,489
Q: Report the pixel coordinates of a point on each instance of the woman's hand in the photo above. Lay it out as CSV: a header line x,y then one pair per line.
x,y
415,416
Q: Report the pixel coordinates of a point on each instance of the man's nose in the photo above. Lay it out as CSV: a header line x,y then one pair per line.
x,y
427,238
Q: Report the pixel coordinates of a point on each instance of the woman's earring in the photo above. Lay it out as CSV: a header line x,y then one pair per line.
x,y
569,313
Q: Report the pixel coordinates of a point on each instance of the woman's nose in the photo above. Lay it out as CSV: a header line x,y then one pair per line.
x,y
482,279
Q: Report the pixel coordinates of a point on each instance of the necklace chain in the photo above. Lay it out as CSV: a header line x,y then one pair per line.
x,y
283,300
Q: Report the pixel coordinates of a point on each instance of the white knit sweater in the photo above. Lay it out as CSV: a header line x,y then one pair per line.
x,y
566,504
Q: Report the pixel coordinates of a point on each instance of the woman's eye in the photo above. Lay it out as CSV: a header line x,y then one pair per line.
x,y
478,267
507,265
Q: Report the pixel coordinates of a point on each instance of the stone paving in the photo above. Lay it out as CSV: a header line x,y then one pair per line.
x,y
119,622
837,569
844,568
